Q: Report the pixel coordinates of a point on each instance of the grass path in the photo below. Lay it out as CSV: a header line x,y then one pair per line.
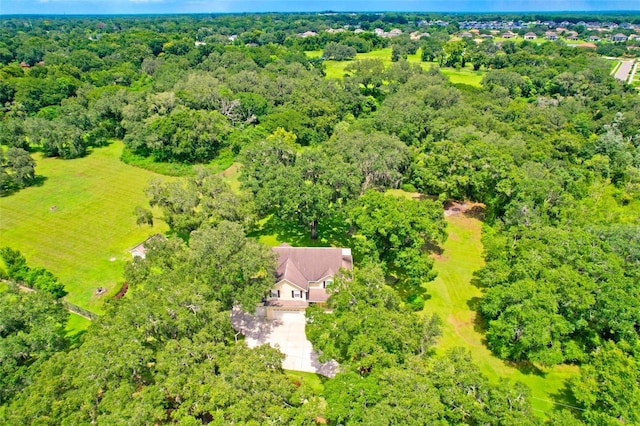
x,y
453,297
80,222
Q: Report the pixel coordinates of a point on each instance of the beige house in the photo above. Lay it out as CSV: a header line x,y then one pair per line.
x,y
302,276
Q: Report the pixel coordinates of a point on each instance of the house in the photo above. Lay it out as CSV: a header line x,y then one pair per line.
x,y
308,34
508,34
571,35
466,34
530,36
550,35
594,38
417,35
619,38
302,275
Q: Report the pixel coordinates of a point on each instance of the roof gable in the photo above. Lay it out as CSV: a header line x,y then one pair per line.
x,y
301,265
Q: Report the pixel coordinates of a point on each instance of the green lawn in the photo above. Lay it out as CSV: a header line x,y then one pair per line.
x,y
453,298
336,69
272,232
80,223
76,327
314,381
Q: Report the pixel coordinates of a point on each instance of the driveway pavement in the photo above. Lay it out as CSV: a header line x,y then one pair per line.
x,y
288,336
623,71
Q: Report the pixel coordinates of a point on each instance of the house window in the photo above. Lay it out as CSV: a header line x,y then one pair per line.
x,y
326,283
296,294
275,293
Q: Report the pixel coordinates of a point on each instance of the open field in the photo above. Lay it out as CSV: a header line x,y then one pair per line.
x,y
336,69
453,297
80,222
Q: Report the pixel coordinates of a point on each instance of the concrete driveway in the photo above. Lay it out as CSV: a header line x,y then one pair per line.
x,y
288,336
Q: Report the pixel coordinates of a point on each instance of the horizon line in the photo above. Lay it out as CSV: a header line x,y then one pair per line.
x,y
520,12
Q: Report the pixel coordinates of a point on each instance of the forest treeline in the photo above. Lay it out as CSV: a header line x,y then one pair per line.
x,y
550,143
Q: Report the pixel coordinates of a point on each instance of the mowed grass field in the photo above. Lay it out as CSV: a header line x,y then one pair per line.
x,y
80,222
454,297
336,69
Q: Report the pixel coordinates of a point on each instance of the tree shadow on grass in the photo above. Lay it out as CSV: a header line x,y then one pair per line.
x,y
331,232
566,400
476,280
36,181
75,338
527,367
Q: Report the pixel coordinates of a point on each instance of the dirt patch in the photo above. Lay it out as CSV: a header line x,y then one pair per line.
x,y
123,291
459,324
466,208
439,257
232,169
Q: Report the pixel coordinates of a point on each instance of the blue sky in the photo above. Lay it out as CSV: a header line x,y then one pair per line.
x,y
206,6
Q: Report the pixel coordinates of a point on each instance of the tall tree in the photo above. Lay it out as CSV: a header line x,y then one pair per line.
x,y
395,230
200,200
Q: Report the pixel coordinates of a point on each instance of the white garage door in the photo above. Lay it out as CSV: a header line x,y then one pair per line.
x,y
288,315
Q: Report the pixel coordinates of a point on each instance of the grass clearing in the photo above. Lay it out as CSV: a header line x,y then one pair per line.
x,y
80,222
336,69
76,327
272,232
454,298
314,381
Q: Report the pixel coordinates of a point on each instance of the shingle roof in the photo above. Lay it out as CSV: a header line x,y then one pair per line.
x,y
300,265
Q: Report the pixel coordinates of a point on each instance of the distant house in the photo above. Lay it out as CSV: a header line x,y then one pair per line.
x,y
140,250
550,35
417,35
508,34
619,38
594,38
466,34
308,34
302,276
530,36
571,35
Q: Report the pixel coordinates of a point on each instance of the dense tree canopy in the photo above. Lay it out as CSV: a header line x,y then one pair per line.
x,y
547,140
31,330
